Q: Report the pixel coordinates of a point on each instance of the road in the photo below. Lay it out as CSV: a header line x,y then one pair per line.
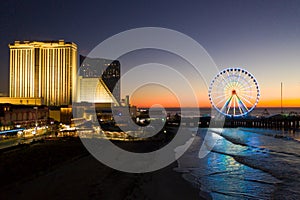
x,y
5,143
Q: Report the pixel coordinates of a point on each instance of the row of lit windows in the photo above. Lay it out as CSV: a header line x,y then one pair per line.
x,y
42,72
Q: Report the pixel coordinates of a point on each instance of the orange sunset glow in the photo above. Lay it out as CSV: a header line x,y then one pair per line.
x,y
270,93
148,100
276,103
145,97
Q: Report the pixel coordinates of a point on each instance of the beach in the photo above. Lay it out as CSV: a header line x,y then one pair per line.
x,y
244,163
63,169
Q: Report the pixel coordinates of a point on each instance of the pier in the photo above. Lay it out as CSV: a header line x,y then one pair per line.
x,y
273,122
289,122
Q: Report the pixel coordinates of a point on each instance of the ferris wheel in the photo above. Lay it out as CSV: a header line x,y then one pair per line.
x,y
234,92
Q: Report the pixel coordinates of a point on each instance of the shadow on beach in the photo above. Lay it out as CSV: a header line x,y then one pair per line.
x,y
63,169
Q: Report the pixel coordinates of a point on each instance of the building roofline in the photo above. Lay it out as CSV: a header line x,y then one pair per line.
x,y
25,43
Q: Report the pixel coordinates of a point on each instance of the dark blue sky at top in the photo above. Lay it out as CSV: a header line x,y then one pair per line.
x,y
226,29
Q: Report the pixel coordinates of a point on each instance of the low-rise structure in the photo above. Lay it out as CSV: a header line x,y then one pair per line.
x,y
12,116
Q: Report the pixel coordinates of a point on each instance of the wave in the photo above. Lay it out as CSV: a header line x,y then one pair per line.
x,y
280,134
270,149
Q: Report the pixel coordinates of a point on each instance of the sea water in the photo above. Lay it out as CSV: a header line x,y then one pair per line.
x,y
244,163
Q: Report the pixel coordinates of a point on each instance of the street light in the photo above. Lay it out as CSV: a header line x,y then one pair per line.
x,y
36,123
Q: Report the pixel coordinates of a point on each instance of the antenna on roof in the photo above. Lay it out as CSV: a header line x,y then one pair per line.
x,y
281,97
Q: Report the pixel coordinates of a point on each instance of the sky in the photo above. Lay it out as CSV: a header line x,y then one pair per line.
x,y
260,36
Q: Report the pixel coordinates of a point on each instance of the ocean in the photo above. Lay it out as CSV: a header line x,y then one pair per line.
x,y
245,163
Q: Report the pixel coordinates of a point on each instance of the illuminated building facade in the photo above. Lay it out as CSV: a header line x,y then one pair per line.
x,y
22,101
107,70
94,90
45,70
23,115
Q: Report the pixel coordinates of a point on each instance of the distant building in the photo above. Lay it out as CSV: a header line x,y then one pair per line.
x,y
21,115
94,90
107,70
61,114
45,70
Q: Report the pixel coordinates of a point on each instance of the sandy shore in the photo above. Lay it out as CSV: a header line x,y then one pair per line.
x,y
63,169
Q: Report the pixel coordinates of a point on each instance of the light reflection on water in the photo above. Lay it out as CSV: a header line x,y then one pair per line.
x,y
284,134
223,177
229,179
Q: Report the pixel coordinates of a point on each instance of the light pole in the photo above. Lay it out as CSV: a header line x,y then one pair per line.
x,y
281,97
36,123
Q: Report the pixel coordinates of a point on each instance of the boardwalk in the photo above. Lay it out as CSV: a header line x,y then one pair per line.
x,y
274,122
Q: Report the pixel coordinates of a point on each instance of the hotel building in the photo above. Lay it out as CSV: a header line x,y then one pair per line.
x,y
45,70
94,90
98,80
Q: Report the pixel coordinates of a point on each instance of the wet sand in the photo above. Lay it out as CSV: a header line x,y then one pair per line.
x,y
63,169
